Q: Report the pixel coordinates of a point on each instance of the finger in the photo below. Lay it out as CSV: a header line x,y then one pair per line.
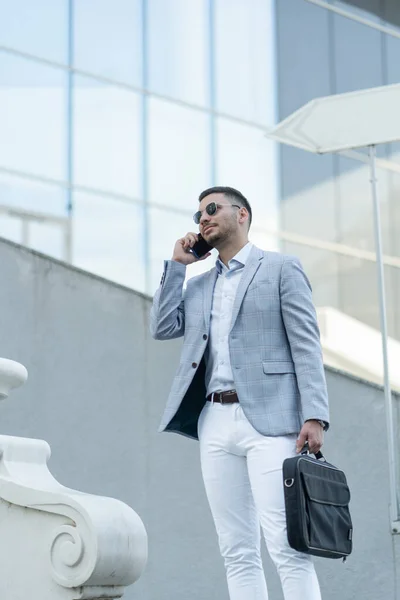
x,y
314,444
187,243
205,256
192,238
181,242
301,440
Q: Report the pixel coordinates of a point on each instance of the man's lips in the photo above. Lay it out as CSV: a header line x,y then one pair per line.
x,y
208,228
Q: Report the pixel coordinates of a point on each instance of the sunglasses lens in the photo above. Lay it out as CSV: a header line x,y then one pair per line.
x,y
211,208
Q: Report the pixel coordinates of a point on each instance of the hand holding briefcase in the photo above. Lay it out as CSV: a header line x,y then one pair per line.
x,y
317,506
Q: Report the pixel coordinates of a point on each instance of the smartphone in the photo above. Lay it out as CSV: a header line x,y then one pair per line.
x,y
200,248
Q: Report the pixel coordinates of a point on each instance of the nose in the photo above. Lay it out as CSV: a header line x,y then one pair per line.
x,y
205,218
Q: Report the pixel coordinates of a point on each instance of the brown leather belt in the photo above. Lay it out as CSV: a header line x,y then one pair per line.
x,y
228,397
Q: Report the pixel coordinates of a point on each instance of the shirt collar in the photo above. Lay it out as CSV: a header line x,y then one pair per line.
x,y
236,262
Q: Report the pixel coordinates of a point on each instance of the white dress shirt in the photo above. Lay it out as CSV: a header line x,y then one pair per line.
x,y
219,377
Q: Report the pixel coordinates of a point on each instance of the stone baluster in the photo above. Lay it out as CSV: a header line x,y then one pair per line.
x,y
57,543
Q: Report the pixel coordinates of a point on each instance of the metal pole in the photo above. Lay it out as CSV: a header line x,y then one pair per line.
x,y
394,509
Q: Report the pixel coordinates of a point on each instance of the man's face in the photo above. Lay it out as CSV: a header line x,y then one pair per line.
x,y
221,225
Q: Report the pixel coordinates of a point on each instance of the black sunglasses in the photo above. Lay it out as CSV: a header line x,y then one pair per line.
x,y
211,209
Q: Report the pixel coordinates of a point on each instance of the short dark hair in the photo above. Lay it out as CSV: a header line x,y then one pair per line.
x,y
232,195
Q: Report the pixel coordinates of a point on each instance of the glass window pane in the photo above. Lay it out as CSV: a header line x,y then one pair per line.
x,y
34,196
246,160
321,267
11,228
359,290
364,46
179,161
39,27
108,38
391,13
18,194
48,238
107,137
245,59
393,73
355,206
108,239
309,194
304,74
393,228
33,135
178,49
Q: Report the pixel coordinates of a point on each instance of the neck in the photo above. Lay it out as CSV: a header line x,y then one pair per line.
x,y
230,248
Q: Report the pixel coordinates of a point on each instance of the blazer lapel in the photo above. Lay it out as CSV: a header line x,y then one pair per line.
x,y
208,291
252,265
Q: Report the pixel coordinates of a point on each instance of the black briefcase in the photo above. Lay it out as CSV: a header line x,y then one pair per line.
x,y
317,506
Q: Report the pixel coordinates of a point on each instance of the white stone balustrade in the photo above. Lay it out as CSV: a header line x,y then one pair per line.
x,y
57,543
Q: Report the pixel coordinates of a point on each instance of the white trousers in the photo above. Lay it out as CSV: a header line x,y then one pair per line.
x,y
242,472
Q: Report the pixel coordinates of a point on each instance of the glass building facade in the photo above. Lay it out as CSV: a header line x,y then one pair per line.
x,y
116,114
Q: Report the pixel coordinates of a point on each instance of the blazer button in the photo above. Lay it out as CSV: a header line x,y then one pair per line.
x,y
204,337
194,365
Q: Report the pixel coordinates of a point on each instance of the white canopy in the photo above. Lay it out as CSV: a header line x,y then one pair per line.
x,y
336,123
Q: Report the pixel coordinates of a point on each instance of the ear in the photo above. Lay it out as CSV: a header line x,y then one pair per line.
x,y
243,214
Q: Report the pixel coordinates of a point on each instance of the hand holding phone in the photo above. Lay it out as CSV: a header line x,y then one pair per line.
x,y
190,249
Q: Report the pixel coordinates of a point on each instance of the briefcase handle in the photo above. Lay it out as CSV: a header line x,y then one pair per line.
x,y
318,455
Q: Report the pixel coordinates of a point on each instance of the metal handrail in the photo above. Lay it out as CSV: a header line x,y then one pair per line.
x,y
335,247
28,216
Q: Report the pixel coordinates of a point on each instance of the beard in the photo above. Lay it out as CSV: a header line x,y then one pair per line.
x,y
217,236
213,238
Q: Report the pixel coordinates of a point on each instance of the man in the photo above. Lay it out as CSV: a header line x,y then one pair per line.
x,y
250,386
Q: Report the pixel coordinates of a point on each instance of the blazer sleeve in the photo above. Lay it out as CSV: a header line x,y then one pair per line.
x,y
302,329
167,315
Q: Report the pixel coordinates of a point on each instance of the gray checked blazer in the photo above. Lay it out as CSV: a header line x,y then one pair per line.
x,y
274,344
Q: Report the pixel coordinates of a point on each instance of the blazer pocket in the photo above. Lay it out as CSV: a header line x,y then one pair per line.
x,y
260,283
278,366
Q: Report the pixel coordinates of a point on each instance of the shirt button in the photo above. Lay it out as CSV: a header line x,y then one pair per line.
x,y
194,365
204,337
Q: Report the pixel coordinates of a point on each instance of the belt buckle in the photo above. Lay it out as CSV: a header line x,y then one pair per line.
x,y
227,394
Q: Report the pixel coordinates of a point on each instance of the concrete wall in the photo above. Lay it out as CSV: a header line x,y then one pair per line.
x,y
96,390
